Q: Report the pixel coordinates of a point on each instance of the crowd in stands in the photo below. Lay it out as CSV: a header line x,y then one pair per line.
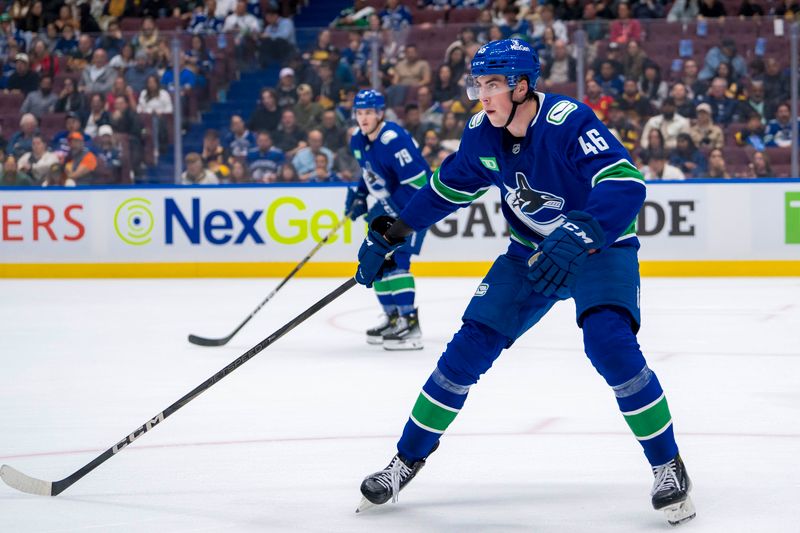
x,y
718,111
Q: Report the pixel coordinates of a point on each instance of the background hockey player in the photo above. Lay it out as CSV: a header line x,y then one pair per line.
x,y
393,169
570,194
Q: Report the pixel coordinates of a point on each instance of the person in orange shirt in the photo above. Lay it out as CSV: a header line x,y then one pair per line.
x,y
81,163
599,102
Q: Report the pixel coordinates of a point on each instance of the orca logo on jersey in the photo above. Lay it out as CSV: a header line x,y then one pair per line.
x,y
533,208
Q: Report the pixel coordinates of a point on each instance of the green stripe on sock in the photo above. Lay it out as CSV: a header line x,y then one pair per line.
x,y
649,420
382,287
401,282
432,415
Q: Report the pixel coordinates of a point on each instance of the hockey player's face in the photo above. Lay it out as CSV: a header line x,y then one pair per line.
x,y
493,93
368,120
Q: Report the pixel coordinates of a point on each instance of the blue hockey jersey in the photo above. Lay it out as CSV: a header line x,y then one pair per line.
x,y
392,167
567,160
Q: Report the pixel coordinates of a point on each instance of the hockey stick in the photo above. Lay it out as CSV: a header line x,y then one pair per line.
x,y
16,479
203,341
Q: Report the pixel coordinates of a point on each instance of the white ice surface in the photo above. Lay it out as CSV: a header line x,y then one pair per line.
x,y
283,443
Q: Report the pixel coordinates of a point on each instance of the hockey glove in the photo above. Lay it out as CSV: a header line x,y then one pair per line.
x,y
375,255
355,204
554,267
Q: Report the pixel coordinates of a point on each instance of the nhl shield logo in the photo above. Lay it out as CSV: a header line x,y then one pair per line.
x,y
515,149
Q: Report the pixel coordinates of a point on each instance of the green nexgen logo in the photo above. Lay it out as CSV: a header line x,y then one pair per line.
x,y
286,220
133,221
792,217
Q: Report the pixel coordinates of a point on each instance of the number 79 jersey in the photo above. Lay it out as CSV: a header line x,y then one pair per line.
x,y
392,167
568,160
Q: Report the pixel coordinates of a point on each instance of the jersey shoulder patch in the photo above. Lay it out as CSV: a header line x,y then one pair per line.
x,y
388,136
560,111
476,119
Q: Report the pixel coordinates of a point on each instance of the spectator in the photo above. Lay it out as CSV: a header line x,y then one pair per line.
x,y
264,160
333,134
610,83
303,161
278,42
748,9
196,173
395,17
345,165
120,88
99,76
125,60
80,163
652,86
307,112
224,8
42,61
716,165
34,20
561,68
431,147
328,87
456,59
97,116
111,40
613,56
648,9
41,101
598,101
186,78
655,142
704,132
204,19
412,123
451,128
200,60
624,28
657,168
637,106
754,103
287,89
36,163
695,87
723,108
57,178
410,72
634,60
711,9
788,9
595,29
669,123
239,140
445,87
12,176
759,166
246,29
81,56
724,53
779,129
21,141
683,11
69,99
431,110
125,121
622,128
322,170
733,89
288,174
547,20
683,104
354,17
464,108
23,80
67,42
136,76
776,84
752,134
267,115
154,99
214,155
688,158
569,10
109,168
512,25
239,173
148,37
321,51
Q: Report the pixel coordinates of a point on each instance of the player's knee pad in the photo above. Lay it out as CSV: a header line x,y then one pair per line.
x,y
611,345
471,352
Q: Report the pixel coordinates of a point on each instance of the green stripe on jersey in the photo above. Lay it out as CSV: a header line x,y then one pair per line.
x,y
432,415
454,195
651,420
527,242
622,170
417,181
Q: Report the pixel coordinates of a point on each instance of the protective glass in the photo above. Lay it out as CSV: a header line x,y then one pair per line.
x,y
478,88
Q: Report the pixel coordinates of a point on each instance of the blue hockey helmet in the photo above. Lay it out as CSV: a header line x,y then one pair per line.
x,y
512,58
369,99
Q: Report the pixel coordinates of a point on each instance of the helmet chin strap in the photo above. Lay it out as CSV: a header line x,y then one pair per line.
x,y
514,106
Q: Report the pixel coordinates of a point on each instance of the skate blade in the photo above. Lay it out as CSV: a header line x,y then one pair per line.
x,y
364,505
405,344
374,340
680,512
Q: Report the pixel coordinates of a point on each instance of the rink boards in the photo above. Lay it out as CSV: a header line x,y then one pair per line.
x,y
697,228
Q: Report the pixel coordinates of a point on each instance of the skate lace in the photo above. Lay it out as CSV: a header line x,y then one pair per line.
x,y
666,477
392,475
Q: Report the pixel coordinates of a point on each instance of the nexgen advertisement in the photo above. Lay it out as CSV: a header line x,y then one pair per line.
x,y
743,228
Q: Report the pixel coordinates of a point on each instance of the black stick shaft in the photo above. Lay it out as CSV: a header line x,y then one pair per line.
x,y
59,486
219,342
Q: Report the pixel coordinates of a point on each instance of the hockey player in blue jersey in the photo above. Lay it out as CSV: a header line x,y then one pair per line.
x,y
570,194
393,169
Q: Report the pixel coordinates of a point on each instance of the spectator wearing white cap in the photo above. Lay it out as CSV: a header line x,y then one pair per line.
x,y
109,168
704,132
23,80
286,89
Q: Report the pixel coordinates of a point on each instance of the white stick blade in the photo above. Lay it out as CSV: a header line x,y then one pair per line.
x,y
17,480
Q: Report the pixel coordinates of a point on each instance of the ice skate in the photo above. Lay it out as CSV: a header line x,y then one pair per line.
x,y
405,335
375,335
386,484
671,492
